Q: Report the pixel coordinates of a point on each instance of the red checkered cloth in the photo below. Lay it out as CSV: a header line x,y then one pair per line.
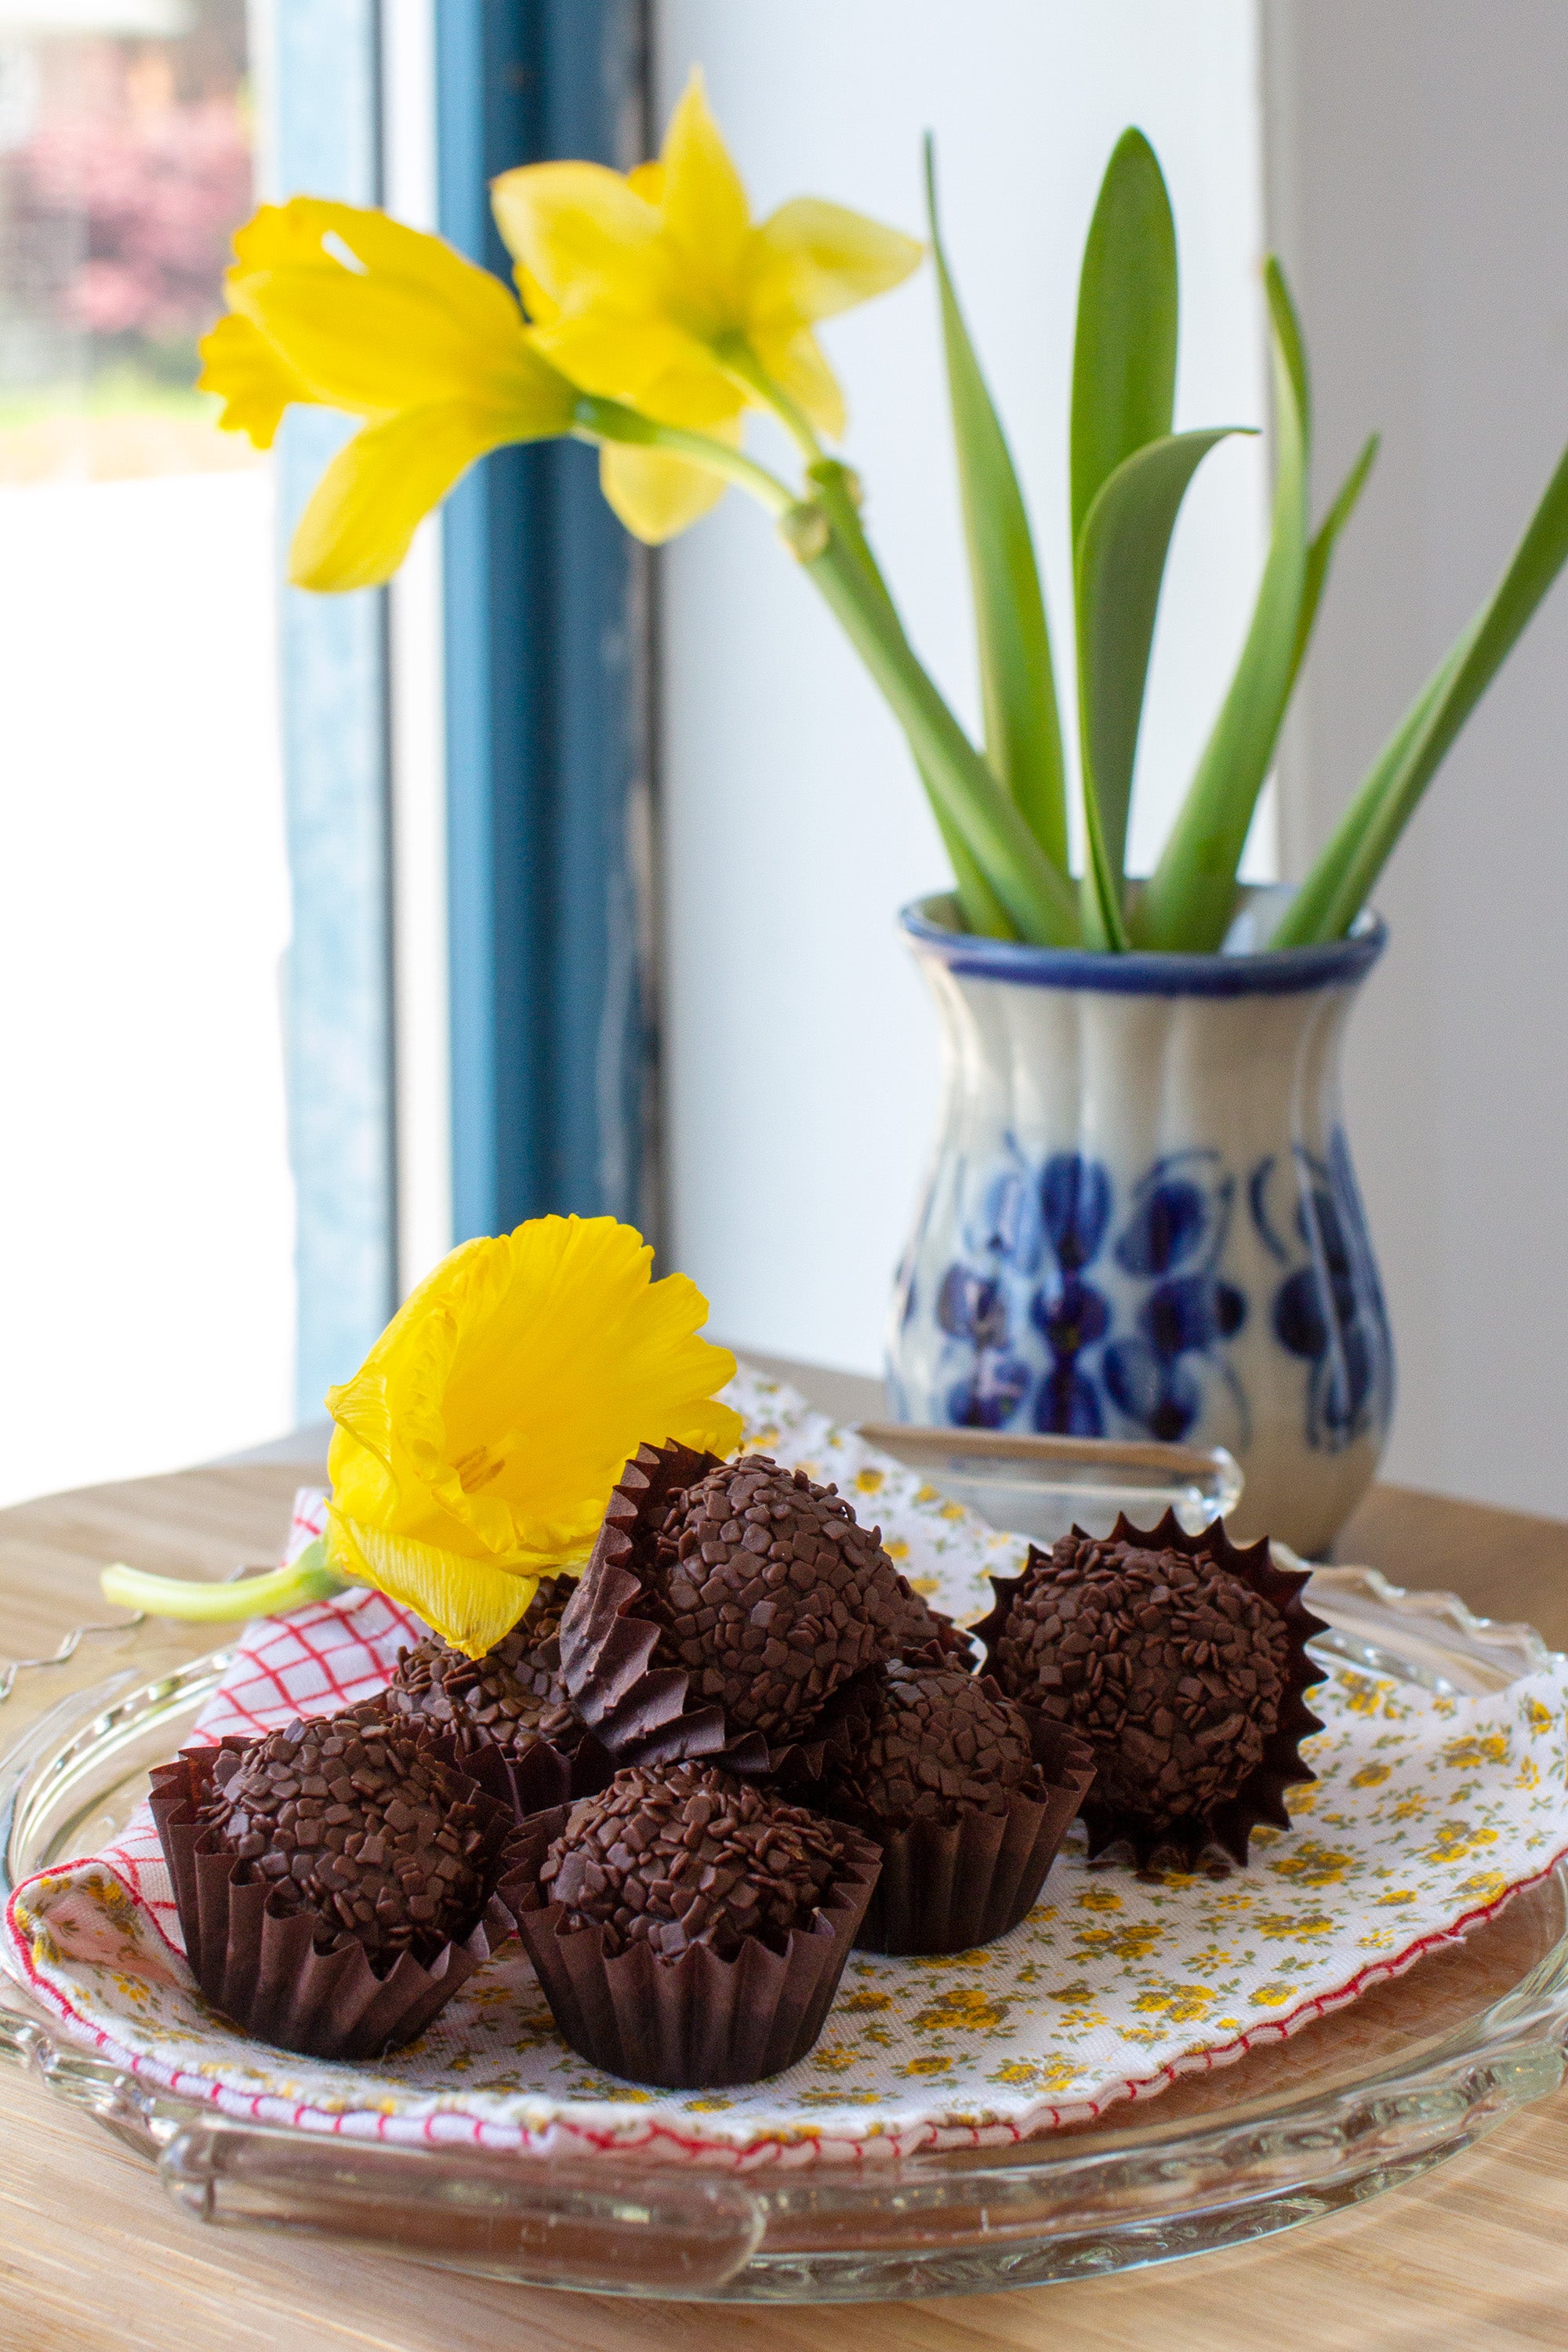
x,y
316,1660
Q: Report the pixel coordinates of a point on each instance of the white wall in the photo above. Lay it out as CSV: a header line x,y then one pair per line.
x,y
1419,189
801,1055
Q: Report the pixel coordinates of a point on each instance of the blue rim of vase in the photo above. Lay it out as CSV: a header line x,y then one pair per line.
x,y
1271,971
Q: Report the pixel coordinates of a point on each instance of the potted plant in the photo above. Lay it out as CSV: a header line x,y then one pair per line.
x,y
1141,1216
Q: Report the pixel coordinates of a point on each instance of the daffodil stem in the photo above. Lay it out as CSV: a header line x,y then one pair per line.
x,y
742,363
307,1578
1038,902
994,845
606,420
982,911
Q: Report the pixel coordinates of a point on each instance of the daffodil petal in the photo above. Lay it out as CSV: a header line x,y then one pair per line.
x,y
376,343
797,363
652,364
578,230
812,259
470,1603
646,181
378,489
704,205
254,382
656,496
348,241
542,308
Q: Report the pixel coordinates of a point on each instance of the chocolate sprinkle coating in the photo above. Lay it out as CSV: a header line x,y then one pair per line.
x,y
687,1854
1182,1660
770,1594
930,1637
932,1743
353,1822
511,1698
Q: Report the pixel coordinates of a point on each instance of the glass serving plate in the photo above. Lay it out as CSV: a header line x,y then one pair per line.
x,y
1400,2080
1040,1487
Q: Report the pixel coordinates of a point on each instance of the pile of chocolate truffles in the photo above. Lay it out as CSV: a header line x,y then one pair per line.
x,y
739,1615
790,1750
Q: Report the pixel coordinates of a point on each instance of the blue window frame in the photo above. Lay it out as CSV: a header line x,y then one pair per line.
x,y
548,743
548,746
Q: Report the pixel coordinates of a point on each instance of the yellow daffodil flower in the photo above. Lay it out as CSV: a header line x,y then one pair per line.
x,y
477,1444
658,290
341,306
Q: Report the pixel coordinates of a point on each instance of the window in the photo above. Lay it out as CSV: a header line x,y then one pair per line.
x,y
146,1284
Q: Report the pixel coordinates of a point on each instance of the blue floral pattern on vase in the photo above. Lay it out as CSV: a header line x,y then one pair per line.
x,y
1174,1239
1078,1307
1330,1310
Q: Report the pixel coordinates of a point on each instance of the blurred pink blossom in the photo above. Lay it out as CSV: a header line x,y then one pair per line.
x,y
157,197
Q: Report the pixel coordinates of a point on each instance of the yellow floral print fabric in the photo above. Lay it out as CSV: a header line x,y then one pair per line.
x,y
1429,1810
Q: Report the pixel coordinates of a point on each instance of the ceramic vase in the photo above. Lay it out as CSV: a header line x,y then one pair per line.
x,y
1142,1220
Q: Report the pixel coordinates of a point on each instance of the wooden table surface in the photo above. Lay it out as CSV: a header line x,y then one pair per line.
x,y
92,2256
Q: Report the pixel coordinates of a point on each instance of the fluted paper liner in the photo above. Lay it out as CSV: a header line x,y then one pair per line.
x,y
258,1963
543,1775
643,1713
948,1887
698,2023
1261,1796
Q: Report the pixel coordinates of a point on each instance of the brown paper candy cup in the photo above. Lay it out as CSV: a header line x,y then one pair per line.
x,y
258,1963
541,1776
948,1887
698,2023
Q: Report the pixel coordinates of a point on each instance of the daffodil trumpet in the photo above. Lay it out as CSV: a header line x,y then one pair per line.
x,y
477,1444
307,1578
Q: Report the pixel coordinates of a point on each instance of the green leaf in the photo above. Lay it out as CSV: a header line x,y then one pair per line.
x,y
1124,352
1336,890
1320,554
1191,895
983,912
1023,728
1120,564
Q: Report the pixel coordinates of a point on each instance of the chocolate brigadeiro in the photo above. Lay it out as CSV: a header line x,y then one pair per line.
x,y
1182,1660
688,1928
969,1797
724,1607
332,1880
506,1715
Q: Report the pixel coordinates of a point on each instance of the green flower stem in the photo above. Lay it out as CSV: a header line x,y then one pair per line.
x,y
606,420
982,911
307,1578
744,365
1038,901
836,490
